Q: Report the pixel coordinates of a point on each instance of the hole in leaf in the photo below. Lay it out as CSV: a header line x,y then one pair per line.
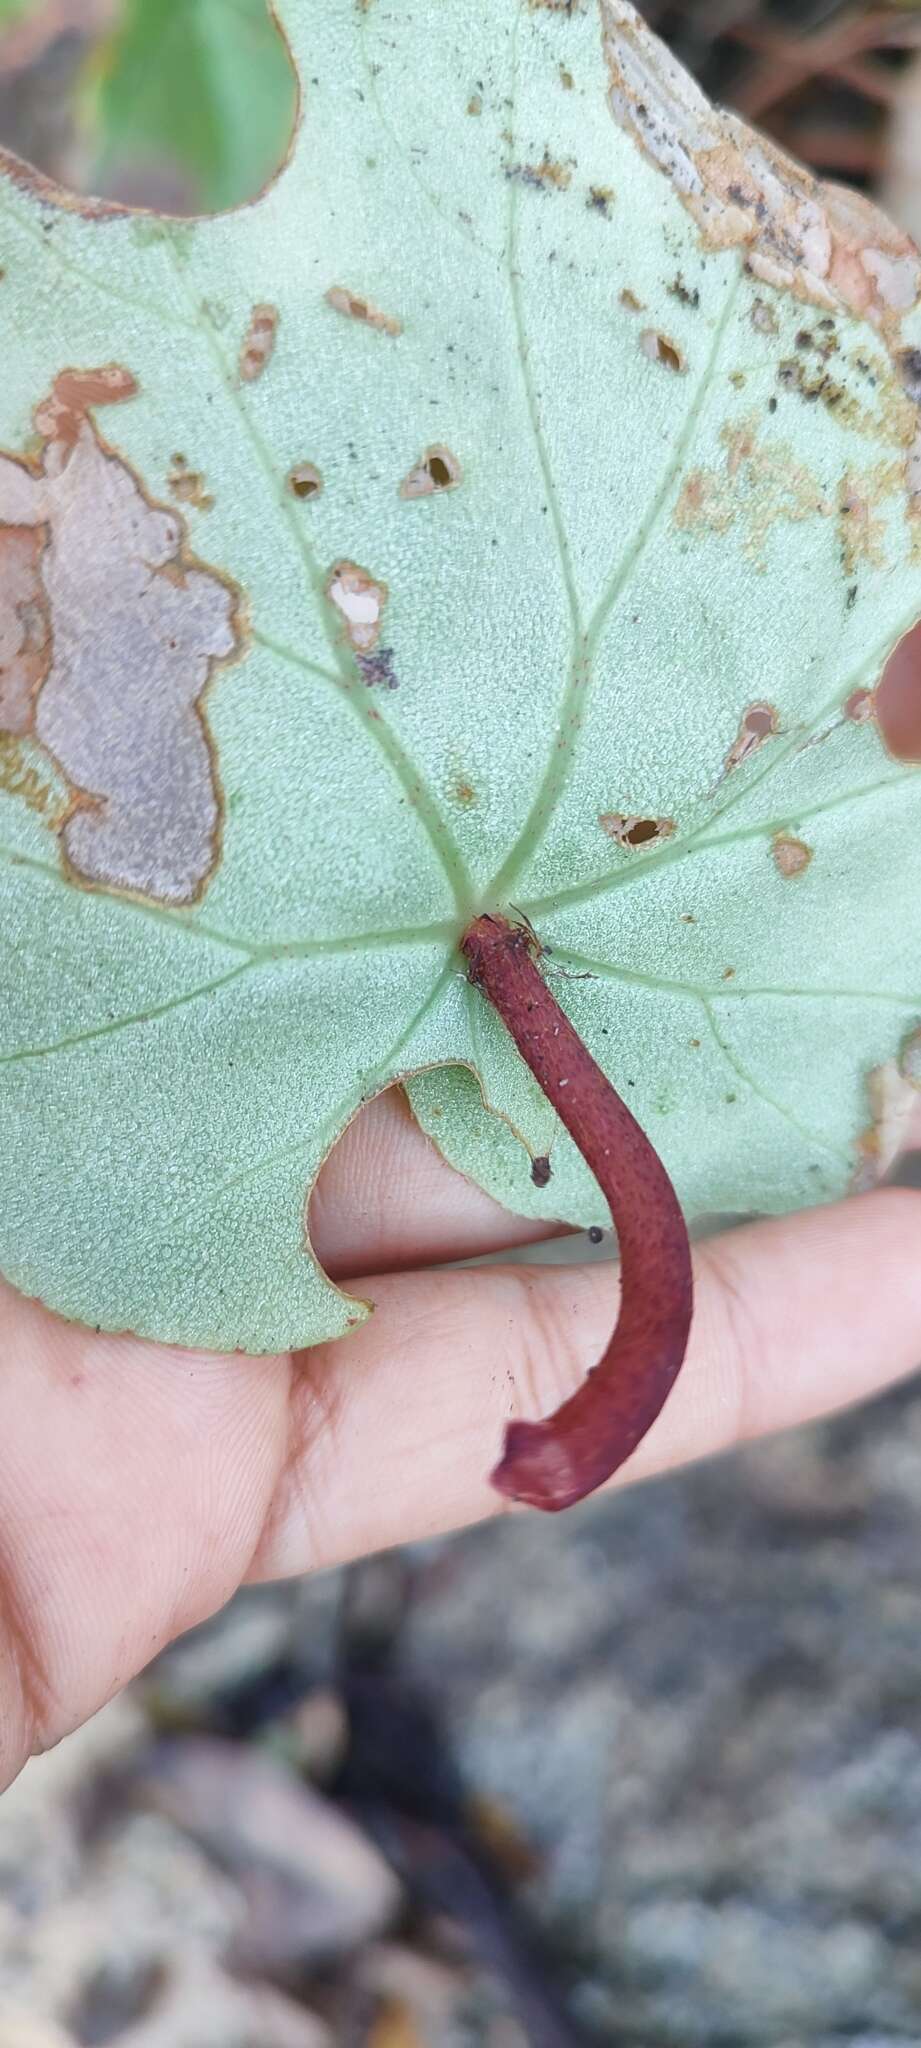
x,y
757,724
660,350
114,1999
360,602
437,470
305,480
127,106
636,831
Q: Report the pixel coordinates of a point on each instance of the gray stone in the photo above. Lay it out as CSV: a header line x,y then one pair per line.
x,y
314,1886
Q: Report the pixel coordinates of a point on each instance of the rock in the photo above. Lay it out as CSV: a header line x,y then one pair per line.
x,y
142,1898
430,1994
314,1886
232,1649
203,2008
41,1814
315,1735
19,2028
700,1703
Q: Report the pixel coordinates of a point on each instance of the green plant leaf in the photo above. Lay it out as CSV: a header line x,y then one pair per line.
x,y
202,84
516,506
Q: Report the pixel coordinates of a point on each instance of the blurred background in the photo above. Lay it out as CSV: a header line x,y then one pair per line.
x,y
647,1776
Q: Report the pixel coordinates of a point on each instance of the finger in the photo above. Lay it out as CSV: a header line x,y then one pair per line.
x,y
134,1482
394,1433
386,1200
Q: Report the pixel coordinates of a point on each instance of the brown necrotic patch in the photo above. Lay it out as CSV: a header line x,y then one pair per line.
x,y
359,599
791,856
187,485
23,778
759,486
437,470
258,342
117,708
634,832
547,175
355,307
305,480
828,246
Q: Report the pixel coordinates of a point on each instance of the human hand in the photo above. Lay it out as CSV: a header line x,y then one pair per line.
x,y
140,1485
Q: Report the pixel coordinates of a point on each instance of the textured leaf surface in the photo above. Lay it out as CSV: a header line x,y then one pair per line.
x,y
517,505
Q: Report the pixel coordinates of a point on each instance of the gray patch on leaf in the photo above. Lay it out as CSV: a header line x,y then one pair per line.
x,y
118,709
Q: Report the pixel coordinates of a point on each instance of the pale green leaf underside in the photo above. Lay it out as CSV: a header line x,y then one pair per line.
x,y
568,644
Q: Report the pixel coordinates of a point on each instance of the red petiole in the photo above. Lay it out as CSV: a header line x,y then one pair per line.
x,y
553,1464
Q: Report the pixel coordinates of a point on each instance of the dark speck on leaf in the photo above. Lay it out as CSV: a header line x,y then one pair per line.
x,y
687,297
378,669
909,362
540,1171
595,1236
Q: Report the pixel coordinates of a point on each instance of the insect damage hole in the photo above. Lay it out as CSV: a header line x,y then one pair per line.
x,y
759,723
635,832
305,480
660,349
359,599
437,470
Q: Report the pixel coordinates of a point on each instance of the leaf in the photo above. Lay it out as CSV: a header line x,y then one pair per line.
x,y
517,506
204,84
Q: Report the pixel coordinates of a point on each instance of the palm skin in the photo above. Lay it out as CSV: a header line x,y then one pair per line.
x,y
140,1485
